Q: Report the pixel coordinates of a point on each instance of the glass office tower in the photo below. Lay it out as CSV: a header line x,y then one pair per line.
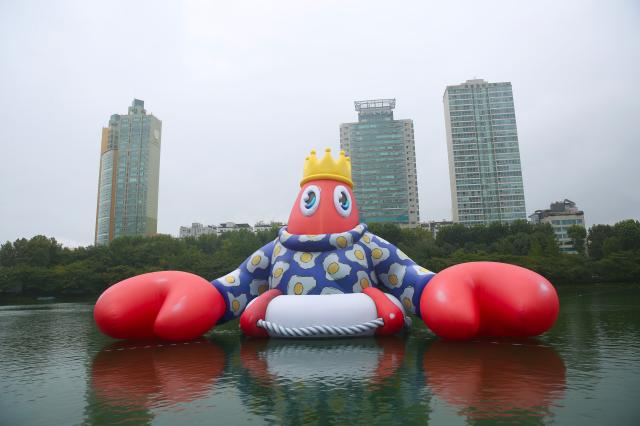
x,y
129,174
484,158
383,162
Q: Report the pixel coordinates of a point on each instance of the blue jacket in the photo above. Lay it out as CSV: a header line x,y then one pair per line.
x,y
345,262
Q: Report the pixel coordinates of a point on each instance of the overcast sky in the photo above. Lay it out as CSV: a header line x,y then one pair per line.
x,y
245,89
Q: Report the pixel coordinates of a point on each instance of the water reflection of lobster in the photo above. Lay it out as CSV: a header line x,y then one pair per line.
x,y
495,378
154,374
324,381
362,360
360,380
151,374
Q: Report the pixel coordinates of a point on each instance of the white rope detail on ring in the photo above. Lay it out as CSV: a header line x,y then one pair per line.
x,y
319,330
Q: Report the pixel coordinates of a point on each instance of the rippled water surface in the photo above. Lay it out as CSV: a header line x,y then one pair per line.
x,y
56,368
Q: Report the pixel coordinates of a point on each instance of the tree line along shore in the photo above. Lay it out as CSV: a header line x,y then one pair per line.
x,y
40,266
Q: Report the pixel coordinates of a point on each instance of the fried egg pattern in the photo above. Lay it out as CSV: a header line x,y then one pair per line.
x,y
366,238
401,255
363,281
305,259
395,276
341,241
357,255
334,269
257,287
236,304
257,260
278,250
278,270
406,298
300,285
232,279
284,235
420,270
378,253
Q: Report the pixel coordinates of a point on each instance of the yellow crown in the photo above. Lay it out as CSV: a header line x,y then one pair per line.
x,y
327,168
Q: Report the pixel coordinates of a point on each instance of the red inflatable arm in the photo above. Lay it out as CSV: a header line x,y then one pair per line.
x,y
168,305
392,315
479,299
257,310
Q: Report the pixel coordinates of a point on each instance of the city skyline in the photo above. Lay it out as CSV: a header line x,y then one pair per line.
x,y
245,90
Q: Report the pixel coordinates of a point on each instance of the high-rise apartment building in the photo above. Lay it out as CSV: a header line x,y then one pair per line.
x,y
129,175
383,163
484,157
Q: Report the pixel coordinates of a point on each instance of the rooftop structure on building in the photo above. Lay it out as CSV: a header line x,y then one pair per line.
x,y
383,163
375,106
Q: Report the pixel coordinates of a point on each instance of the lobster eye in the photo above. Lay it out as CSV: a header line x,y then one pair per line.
x,y
342,200
310,200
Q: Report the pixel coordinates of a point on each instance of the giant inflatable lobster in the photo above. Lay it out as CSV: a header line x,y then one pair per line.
x,y
326,275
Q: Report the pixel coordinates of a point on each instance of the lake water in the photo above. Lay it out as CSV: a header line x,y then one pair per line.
x,y
56,368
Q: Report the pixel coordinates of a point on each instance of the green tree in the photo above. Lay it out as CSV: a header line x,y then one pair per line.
x,y
455,235
628,231
578,235
388,231
612,245
596,237
7,254
37,251
520,226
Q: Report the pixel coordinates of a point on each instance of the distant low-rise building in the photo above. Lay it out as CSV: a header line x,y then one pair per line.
x,y
263,226
561,215
196,229
230,226
434,226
